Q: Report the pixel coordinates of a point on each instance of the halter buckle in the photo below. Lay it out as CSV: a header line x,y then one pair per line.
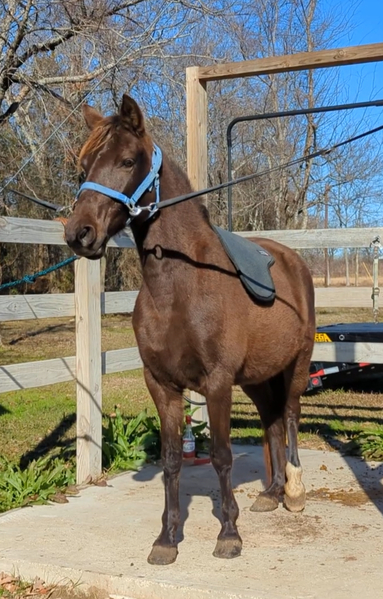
x,y
134,209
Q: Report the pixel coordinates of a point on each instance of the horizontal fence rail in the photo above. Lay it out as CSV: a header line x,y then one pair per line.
x,y
29,375
55,305
26,230
25,307
48,232
14,377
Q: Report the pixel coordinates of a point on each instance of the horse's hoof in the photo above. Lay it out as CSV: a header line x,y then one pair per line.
x,y
295,504
228,548
265,503
162,555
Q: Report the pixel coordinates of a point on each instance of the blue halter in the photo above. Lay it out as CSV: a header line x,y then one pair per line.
x,y
151,180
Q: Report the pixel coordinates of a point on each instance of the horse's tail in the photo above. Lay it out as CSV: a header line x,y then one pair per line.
x,y
267,459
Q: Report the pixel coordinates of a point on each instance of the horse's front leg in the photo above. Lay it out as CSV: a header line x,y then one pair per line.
x,y
229,543
169,405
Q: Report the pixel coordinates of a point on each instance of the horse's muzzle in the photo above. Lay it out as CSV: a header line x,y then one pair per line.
x,y
83,240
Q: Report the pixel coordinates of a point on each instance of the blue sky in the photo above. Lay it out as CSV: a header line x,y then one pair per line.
x,y
365,81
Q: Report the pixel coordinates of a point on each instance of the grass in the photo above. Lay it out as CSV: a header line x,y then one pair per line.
x,y
34,420
30,340
329,419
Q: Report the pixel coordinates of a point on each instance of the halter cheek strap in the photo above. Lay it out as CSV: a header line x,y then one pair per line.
x,y
152,180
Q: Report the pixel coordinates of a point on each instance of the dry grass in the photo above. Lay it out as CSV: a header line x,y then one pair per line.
x,y
13,587
326,316
30,340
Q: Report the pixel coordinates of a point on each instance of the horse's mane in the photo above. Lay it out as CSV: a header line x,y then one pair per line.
x,y
97,139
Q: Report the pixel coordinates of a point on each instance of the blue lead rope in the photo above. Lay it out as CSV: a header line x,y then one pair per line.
x,y
36,275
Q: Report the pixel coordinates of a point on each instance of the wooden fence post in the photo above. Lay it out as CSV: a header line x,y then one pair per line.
x,y
88,369
196,123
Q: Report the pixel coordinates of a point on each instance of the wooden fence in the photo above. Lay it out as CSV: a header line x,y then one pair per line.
x,y
88,303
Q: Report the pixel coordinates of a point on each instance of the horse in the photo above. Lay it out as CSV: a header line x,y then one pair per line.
x,y
196,325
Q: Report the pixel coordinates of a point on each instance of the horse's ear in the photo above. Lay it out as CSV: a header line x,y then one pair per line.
x,y
131,116
92,117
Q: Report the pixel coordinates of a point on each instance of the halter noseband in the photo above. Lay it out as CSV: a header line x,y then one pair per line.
x,y
151,180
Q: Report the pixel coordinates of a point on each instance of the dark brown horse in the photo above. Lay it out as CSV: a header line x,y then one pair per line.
x,y
196,326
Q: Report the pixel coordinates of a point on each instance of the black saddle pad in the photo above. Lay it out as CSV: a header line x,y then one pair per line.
x,y
252,263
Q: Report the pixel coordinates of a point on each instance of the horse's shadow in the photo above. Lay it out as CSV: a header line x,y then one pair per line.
x,y
202,481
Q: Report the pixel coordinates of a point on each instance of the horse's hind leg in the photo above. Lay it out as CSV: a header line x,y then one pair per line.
x,y
169,405
296,382
269,398
229,543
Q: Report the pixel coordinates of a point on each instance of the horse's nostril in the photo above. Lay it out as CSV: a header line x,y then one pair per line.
x,y
86,236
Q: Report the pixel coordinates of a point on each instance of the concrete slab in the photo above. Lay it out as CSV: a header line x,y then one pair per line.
x,y
102,538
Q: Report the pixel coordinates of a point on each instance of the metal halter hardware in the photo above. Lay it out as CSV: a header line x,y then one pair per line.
x,y
151,180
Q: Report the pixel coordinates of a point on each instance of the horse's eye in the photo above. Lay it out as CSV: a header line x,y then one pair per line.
x,y
128,162
81,177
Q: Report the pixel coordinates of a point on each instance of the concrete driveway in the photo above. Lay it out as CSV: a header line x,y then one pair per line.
x,y
101,538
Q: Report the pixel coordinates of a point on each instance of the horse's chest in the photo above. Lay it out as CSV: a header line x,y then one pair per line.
x,y
169,346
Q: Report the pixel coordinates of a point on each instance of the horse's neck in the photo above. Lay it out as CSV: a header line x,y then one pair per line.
x,y
179,229
178,234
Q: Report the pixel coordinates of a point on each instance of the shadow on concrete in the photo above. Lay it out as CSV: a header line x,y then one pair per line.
x,y
203,481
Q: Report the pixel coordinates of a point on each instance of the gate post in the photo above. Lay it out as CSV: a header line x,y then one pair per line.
x,y
196,135
88,369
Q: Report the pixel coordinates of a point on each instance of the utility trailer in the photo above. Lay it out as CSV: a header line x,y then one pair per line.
x,y
337,374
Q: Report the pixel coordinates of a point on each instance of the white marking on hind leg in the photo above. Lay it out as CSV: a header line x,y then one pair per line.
x,y
294,487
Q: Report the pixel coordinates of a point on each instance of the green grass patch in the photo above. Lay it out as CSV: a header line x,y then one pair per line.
x,y
42,480
367,444
127,444
33,421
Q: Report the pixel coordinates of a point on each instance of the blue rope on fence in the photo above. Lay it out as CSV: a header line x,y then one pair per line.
x,y
36,275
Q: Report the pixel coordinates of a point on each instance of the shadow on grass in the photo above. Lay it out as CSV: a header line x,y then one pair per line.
x,y
49,329
3,410
52,441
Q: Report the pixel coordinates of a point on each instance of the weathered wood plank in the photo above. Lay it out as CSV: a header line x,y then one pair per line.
x,y
25,230
88,369
348,352
343,297
196,129
293,62
118,360
301,239
196,137
26,307
49,232
14,377
28,375
118,302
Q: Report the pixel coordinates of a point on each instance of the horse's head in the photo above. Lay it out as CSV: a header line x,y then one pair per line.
x,y
115,160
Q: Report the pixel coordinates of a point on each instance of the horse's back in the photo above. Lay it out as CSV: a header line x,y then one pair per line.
x,y
290,272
